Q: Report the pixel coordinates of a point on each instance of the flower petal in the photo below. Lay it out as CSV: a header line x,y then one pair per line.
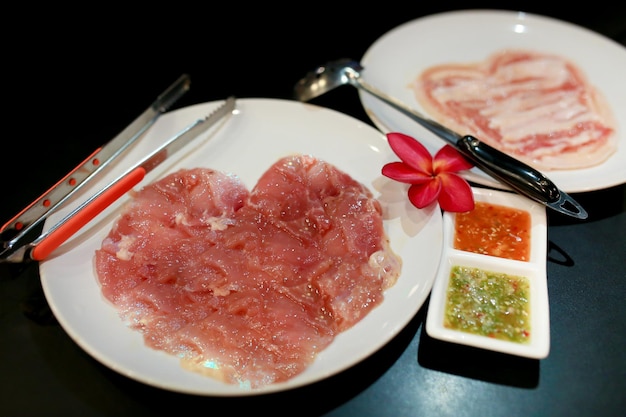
x,y
411,152
401,172
448,159
456,194
423,195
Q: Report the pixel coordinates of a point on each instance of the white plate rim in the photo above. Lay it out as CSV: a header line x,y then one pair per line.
x,y
400,54
71,288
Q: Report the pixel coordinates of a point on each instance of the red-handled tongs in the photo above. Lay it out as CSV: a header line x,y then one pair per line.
x,y
19,231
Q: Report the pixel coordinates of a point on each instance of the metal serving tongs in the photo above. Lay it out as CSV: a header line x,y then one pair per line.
x,y
19,231
510,171
39,248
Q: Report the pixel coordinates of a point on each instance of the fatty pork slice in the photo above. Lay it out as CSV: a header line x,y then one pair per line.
x,y
539,108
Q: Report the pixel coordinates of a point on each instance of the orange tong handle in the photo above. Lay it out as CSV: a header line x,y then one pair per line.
x,y
81,218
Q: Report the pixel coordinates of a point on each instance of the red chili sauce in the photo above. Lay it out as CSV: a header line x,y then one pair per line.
x,y
495,230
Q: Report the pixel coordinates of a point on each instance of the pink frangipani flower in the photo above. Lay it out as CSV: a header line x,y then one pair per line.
x,y
432,179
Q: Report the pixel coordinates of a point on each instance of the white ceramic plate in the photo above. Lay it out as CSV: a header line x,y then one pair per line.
x,y
393,61
534,270
258,134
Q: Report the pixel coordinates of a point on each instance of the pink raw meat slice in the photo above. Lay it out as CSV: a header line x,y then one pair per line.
x,y
248,286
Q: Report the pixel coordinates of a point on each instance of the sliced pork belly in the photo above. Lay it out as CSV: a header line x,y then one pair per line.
x,y
537,107
248,286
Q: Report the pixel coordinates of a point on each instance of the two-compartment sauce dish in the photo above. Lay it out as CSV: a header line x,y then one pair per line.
x,y
491,289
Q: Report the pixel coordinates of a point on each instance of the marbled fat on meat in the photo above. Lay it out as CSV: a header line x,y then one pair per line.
x,y
536,107
248,286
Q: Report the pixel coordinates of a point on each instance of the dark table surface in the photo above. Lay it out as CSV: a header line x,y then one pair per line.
x,y
75,77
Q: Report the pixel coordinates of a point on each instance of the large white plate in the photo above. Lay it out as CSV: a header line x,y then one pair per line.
x,y
393,61
257,135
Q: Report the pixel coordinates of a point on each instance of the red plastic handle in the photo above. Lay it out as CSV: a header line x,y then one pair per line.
x,y
81,218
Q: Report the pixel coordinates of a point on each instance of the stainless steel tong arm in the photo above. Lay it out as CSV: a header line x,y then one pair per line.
x,y
18,231
519,176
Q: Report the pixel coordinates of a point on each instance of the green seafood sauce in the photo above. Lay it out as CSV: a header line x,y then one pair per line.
x,y
489,304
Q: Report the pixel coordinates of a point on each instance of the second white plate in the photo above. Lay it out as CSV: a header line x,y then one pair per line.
x,y
399,56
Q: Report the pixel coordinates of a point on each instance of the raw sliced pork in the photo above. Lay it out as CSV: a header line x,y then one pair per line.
x,y
248,286
536,107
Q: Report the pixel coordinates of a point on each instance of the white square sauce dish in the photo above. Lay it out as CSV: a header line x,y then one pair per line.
x,y
491,288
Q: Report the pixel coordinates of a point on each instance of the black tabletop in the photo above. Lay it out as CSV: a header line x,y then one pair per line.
x,y
76,77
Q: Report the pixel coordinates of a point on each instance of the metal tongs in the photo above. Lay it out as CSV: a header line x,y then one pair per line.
x,y
19,240
19,230
510,171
